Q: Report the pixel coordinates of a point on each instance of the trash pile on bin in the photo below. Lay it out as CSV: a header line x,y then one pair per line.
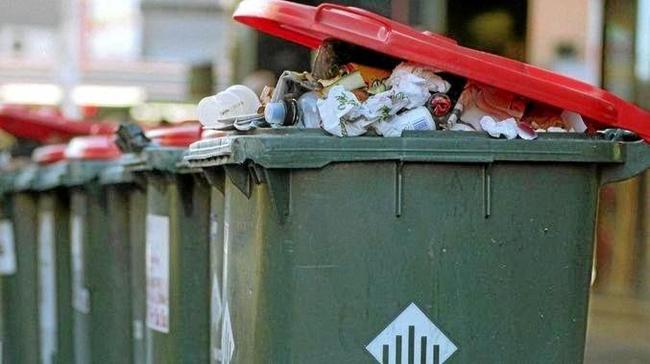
x,y
352,91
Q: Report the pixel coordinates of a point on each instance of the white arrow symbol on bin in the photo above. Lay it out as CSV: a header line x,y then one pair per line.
x,y
413,338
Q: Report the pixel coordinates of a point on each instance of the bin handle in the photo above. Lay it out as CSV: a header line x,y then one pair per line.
x,y
634,118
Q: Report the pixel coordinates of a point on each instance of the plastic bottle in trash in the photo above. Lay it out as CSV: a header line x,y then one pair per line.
x,y
308,108
302,112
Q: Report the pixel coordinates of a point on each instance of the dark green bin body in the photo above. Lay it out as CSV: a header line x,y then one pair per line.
x,y
37,298
127,213
101,267
181,197
6,186
54,264
327,240
21,343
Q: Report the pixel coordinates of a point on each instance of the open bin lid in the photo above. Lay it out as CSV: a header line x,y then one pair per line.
x,y
177,136
100,147
49,154
310,26
48,128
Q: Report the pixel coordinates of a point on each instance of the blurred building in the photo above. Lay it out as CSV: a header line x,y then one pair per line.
x,y
179,50
110,53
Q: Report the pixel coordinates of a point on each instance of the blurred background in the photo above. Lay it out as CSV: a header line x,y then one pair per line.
x,y
150,61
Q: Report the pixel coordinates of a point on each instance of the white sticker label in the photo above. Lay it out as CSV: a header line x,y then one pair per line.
x,y
214,227
411,338
80,295
220,310
47,286
138,330
157,268
7,248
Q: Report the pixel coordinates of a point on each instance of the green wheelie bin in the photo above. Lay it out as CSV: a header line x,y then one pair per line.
x,y
431,247
322,253
176,255
7,254
100,255
126,213
20,290
54,278
7,265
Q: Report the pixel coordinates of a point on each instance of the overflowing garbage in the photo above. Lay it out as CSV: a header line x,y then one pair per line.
x,y
353,91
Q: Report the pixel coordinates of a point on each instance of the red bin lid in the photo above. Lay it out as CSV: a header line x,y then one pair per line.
x,y
309,26
99,147
175,136
47,127
49,154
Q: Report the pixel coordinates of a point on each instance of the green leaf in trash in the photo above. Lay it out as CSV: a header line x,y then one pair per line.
x,y
384,113
344,100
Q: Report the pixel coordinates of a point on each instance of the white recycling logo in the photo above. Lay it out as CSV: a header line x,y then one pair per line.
x,y
411,338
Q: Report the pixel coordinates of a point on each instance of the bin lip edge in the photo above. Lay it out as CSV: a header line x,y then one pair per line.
x,y
172,160
267,149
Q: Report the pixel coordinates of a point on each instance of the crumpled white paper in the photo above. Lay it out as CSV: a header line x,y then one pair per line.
x,y
461,127
432,81
496,129
417,119
380,107
343,115
574,121
410,89
338,112
508,128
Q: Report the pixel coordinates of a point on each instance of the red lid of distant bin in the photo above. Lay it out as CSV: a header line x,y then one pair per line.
x,y
309,26
99,147
47,127
176,136
49,154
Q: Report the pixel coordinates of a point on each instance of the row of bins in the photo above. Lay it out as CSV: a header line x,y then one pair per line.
x,y
292,246
77,220
235,251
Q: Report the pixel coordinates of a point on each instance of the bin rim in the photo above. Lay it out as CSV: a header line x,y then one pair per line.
x,y
310,26
51,176
296,149
156,158
116,174
80,172
25,178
